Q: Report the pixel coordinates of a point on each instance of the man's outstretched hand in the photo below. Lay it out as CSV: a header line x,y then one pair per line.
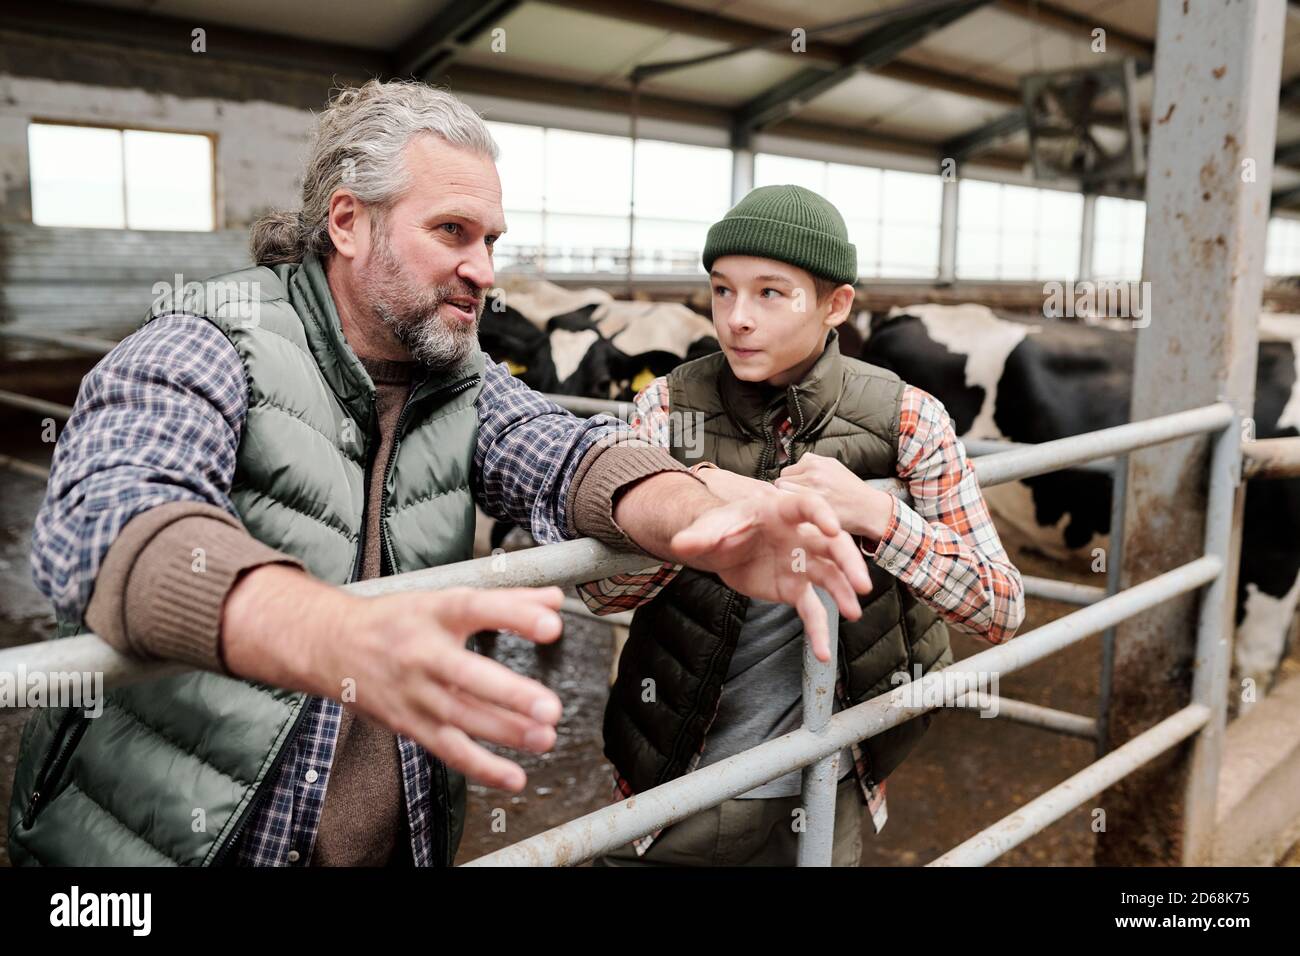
x,y
401,660
777,546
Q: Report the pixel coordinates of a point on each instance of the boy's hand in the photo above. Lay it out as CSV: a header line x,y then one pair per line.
x,y
862,510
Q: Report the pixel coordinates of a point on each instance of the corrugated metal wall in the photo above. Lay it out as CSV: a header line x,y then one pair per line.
x,y
100,282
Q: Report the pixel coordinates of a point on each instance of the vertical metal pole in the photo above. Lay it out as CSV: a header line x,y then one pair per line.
x,y
631,198
1114,568
1087,235
742,171
948,231
817,838
1208,185
1210,677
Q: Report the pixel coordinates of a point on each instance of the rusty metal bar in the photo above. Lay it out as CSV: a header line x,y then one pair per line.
x,y
1271,458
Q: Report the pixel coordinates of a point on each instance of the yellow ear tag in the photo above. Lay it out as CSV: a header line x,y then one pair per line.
x,y
515,368
643,378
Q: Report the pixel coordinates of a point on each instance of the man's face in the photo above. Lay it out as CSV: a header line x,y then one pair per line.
x,y
767,318
429,262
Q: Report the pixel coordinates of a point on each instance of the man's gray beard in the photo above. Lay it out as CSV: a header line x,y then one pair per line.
x,y
413,315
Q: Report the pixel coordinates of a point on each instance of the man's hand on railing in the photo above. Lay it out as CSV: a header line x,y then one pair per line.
x,y
778,545
404,658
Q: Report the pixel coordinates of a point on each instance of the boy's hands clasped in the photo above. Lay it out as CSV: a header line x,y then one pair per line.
x,y
861,509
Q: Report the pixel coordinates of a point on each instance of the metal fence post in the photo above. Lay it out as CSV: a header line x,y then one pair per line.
x,y
817,838
1223,515
1114,569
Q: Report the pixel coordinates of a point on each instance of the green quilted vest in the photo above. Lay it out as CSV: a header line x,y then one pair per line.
x,y
684,638
173,767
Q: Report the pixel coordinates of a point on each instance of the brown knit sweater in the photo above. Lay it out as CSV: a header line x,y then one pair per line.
x,y
154,599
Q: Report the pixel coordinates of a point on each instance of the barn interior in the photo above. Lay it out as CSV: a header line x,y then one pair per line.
x,y
992,160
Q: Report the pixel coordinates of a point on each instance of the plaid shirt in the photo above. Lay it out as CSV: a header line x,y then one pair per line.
x,y
944,547
159,420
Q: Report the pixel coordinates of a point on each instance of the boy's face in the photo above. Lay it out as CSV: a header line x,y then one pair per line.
x,y
768,320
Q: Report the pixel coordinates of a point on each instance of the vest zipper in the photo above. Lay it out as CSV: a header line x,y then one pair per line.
x,y
55,763
271,774
695,708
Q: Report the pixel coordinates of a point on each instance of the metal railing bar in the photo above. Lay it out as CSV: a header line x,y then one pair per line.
x,y
565,564
24,467
1067,592
1047,808
983,447
1065,452
1035,715
81,343
591,406
1271,458
615,825
38,405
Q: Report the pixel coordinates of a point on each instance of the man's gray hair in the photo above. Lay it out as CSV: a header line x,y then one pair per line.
x,y
358,145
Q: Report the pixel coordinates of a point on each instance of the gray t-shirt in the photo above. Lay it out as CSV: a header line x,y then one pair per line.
x,y
762,696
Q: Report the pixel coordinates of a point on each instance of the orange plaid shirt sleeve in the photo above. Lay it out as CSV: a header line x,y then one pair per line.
x,y
944,547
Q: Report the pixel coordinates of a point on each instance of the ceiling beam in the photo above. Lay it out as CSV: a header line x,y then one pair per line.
x,y
164,34
687,21
729,30
875,48
1076,24
463,78
445,35
966,144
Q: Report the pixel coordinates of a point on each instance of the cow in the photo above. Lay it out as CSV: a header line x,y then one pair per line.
x,y
1035,381
586,343
583,343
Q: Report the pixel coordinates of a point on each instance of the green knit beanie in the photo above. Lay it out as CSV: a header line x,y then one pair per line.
x,y
789,224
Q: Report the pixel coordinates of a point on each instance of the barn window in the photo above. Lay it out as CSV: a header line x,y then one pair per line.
x,y
1118,237
1283,255
100,177
1017,232
568,195
892,216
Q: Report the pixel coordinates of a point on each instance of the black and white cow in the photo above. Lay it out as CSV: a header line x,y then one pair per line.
x,y
584,343
1023,381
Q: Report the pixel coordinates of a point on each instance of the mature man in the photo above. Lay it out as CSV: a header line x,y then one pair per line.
x,y
328,417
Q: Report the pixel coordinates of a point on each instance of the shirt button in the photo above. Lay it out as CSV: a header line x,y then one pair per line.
x,y
293,856
311,776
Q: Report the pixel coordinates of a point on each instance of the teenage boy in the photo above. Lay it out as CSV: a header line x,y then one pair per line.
x,y
707,672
